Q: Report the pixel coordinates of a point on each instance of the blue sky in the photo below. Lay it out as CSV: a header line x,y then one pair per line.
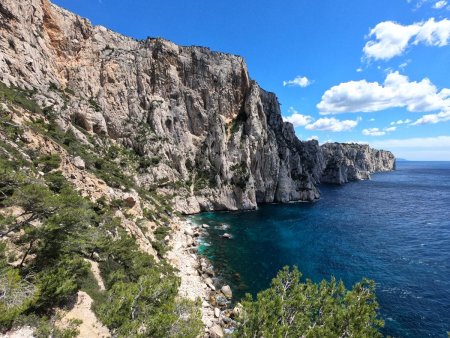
x,y
373,71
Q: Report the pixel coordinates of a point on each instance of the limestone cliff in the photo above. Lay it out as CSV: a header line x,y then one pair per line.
x,y
350,162
206,132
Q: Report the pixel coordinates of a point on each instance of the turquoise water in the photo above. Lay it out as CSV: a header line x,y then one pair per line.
x,y
394,229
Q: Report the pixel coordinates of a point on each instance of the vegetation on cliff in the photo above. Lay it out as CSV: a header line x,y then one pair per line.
x,y
291,308
49,233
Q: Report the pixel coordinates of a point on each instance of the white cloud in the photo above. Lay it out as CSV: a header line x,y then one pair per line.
x,y
359,70
417,142
443,116
332,124
400,122
322,124
378,131
440,4
297,119
405,64
314,137
434,4
419,3
391,39
396,92
299,81
372,120
420,148
373,132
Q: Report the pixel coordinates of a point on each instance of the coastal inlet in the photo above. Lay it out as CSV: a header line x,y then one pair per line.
x,y
394,229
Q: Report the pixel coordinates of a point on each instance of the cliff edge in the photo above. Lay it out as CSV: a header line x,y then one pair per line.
x,y
205,132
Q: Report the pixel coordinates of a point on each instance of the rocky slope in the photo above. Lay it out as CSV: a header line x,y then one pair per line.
x,y
206,132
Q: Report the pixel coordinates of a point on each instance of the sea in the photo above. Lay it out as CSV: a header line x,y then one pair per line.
x,y
394,229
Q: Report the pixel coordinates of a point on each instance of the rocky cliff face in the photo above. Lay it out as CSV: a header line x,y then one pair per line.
x,y
350,162
206,132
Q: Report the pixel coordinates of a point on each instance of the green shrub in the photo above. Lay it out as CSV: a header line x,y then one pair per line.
x,y
118,204
59,282
146,162
46,328
53,86
55,181
95,105
291,308
20,97
48,162
240,119
69,91
90,285
17,295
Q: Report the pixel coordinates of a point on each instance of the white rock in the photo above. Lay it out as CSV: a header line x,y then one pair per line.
x,y
189,232
237,311
209,282
189,242
216,331
79,163
226,290
216,312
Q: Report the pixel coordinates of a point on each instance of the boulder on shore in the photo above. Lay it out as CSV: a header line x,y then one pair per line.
x,y
189,232
216,331
226,290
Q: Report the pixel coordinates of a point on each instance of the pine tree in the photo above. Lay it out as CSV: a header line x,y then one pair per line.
x,y
291,308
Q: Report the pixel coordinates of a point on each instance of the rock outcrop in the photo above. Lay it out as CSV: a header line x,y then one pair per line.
x,y
350,162
205,131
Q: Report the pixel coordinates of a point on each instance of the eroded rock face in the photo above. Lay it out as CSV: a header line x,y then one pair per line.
x,y
350,162
207,132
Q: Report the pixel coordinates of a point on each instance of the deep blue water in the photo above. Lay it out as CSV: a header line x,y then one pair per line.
x,y
394,229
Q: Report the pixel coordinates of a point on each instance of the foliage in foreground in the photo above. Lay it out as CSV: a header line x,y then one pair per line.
x,y
141,295
291,308
43,250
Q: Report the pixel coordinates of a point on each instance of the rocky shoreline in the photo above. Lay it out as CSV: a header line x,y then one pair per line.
x,y
199,280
